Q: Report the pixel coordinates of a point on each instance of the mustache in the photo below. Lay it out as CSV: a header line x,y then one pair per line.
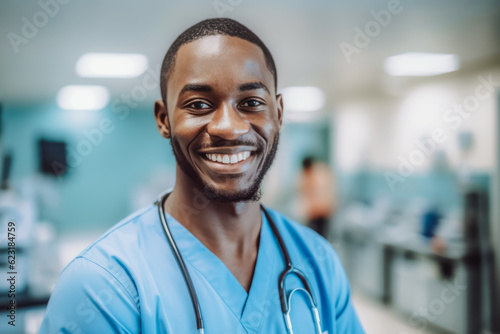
x,y
223,142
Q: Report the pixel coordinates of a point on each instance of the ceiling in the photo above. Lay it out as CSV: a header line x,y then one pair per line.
x,y
304,38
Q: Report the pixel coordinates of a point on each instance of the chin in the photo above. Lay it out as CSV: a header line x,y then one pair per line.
x,y
252,194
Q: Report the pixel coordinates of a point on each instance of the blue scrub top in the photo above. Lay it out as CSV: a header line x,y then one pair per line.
x,y
128,281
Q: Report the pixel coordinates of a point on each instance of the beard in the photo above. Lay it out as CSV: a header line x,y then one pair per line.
x,y
251,193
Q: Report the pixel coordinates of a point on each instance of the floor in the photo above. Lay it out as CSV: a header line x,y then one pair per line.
x,y
380,319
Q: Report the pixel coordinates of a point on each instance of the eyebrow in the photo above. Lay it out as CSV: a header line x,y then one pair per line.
x,y
253,85
207,88
195,88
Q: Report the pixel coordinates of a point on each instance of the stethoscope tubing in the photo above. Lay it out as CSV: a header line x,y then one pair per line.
x,y
289,269
182,265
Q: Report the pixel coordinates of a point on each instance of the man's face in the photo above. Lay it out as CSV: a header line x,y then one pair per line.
x,y
223,116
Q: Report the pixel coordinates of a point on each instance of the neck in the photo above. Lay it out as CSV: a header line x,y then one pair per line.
x,y
227,229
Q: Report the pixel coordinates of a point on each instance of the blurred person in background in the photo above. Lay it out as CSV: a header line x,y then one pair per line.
x,y
316,195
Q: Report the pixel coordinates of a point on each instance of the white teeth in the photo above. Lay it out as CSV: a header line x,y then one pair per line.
x,y
229,159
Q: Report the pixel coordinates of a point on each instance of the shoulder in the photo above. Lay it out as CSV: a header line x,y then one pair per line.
x,y
310,244
118,250
293,229
88,296
126,232
126,224
98,288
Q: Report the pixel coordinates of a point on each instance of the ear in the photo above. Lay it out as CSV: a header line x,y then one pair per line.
x,y
161,116
279,102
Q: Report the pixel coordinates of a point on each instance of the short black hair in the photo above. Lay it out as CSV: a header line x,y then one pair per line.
x,y
212,27
307,162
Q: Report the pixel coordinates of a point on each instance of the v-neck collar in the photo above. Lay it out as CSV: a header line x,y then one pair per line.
x,y
245,306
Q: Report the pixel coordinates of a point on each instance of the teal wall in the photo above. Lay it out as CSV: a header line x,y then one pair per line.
x,y
95,194
97,191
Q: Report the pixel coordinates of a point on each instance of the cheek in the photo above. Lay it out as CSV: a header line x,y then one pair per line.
x,y
187,130
186,123
268,127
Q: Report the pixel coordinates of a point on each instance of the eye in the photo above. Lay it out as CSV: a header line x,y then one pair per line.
x,y
199,105
251,103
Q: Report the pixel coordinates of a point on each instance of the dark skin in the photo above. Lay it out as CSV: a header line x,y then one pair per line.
x,y
220,89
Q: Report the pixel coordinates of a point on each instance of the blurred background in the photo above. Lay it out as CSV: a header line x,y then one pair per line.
x,y
389,146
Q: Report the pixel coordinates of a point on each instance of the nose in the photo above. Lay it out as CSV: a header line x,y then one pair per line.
x,y
227,123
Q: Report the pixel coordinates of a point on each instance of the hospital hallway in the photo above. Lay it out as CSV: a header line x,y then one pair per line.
x,y
373,123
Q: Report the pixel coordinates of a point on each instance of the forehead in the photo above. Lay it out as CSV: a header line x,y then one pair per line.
x,y
220,61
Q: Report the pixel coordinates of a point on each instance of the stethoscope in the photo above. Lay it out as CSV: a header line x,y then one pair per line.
x,y
286,306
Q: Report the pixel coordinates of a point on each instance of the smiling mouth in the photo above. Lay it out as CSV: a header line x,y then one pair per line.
x,y
228,159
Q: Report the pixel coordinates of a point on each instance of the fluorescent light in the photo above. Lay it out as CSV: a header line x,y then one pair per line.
x,y
83,97
421,64
303,99
111,65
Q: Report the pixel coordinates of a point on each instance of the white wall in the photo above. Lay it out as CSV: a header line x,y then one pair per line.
x,y
377,130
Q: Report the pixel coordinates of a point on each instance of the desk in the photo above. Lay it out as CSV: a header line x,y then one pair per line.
x,y
462,316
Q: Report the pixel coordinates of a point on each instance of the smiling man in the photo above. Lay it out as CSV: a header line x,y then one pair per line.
x,y
207,256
